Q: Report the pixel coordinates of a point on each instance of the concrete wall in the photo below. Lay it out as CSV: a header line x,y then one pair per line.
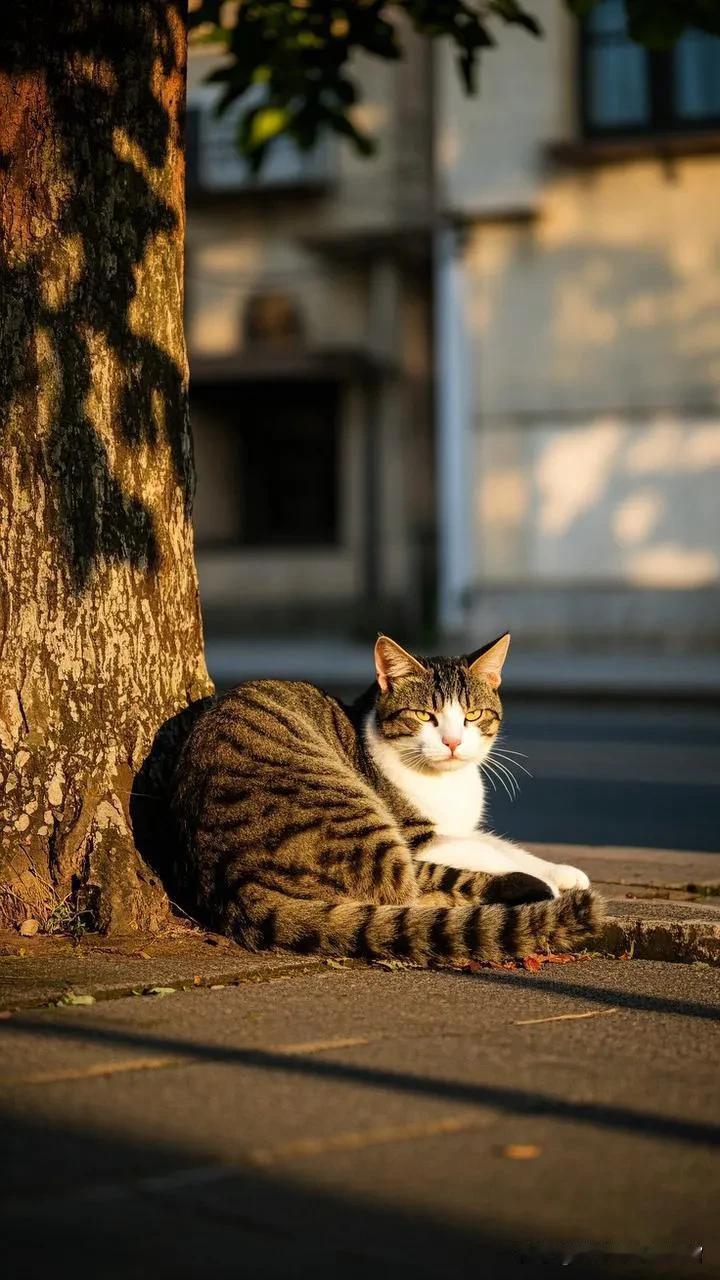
x,y
489,147
592,318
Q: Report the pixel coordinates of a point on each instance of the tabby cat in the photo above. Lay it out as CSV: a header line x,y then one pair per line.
x,y
356,830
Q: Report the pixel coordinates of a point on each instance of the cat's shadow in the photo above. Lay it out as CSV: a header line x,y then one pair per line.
x,y
154,829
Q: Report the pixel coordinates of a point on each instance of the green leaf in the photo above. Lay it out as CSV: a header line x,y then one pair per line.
x,y
70,997
160,991
267,123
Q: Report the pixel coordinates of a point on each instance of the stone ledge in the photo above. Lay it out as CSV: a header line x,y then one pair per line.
x,y
664,931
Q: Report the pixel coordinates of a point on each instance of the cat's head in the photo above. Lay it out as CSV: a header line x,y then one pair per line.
x,y
439,714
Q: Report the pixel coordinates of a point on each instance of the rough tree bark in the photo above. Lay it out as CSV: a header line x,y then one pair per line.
x,y
100,632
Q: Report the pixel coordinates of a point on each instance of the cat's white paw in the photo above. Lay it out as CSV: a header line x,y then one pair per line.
x,y
566,877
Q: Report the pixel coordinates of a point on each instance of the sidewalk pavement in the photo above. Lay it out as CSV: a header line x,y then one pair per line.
x,y
352,1121
333,662
661,905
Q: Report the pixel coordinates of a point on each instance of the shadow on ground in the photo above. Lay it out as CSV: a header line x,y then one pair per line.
x,y
74,1200
504,1099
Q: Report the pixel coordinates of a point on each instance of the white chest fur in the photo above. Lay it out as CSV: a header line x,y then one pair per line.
x,y
452,801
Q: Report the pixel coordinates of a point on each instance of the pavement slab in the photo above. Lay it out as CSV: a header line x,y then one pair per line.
x,y
328,1122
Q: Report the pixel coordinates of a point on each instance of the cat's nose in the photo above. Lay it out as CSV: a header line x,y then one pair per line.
x,y
452,743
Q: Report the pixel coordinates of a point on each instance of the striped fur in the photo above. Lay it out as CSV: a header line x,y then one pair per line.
x,y
291,838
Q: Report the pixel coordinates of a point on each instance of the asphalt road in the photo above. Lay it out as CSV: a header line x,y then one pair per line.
x,y
616,774
355,1122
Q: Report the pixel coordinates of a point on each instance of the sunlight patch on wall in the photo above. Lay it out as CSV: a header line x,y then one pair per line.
x,y
572,473
669,446
636,516
370,117
613,500
504,497
670,565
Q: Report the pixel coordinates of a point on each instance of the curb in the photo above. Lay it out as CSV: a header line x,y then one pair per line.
x,y
674,941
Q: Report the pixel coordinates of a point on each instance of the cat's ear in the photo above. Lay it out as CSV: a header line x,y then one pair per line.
x,y
488,661
392,662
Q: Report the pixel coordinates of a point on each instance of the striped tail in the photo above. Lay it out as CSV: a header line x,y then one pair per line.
x,y
422,934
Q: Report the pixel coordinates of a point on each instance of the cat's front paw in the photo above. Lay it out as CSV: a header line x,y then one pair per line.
x,y
566,877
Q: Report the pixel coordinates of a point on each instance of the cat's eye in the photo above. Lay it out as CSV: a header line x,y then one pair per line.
x,y
484,713
423,716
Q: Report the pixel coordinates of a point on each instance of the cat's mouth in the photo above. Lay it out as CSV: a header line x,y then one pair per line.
x,y
445,764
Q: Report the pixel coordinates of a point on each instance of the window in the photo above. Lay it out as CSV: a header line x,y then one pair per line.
x,y
267,463
216,167
629,90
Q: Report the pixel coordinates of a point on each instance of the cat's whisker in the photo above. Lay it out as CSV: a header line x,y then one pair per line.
x,y
508,773
500,764
488,776
510,794
510,752
518,765
501,780
512,780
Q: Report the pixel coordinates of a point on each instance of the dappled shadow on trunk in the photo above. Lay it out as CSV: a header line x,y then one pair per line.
x,y
91,177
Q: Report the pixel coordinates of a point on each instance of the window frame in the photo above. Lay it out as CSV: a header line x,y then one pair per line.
x,y
661,79
329,387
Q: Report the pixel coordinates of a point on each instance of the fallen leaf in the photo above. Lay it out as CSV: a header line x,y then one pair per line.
x,y
520,1151
29,928
71,997
335,964
197,980
160,991
532,963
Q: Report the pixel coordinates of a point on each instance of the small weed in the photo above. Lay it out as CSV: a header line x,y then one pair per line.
x,y
68,919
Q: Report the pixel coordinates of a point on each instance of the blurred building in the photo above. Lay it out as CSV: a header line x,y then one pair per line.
x,y
308,322
550,251
584,458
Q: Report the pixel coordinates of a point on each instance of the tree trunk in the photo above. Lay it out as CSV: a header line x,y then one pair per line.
x,y
100,639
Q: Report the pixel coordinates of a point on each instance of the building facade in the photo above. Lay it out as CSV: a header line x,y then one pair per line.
x,y
583,453
308,323
475,381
